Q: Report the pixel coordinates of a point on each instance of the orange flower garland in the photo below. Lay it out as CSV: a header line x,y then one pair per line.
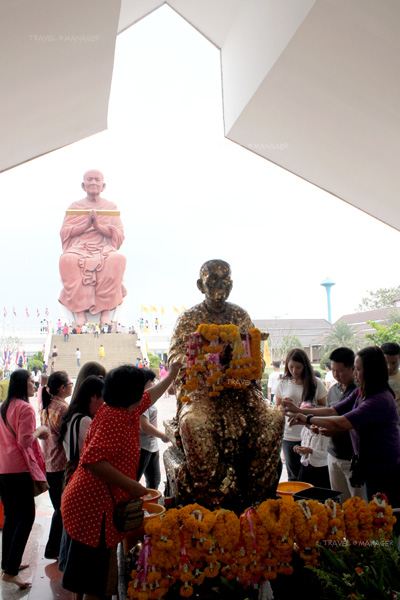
x,y
358,520
336,526
189,544
203,359
382,517
310,523
276,516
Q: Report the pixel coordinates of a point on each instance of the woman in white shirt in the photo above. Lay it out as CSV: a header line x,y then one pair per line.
x,y
300,385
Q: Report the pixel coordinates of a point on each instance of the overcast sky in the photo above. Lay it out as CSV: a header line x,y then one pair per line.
x,y
186,195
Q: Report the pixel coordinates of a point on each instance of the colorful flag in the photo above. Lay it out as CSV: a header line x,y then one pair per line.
x,y
14,311
27,311
4,312
46,312
37,312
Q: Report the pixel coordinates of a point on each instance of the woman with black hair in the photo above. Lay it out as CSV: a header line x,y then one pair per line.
x,y
298,384
370,414
78,418
106,475
21,463
74,427
54,407
89,368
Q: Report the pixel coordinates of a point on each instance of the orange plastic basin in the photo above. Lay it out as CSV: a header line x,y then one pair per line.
x,y
151,496
154,510
286,489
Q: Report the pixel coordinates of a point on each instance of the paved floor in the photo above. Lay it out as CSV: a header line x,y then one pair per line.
x,y
44,574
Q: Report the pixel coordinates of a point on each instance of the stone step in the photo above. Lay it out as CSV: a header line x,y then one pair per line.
x,y
120,348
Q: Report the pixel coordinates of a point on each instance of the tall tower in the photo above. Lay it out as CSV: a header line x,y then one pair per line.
x,y
327,284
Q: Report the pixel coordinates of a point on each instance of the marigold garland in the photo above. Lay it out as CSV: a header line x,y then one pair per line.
x,y
358,520
189,544
203,359
310,523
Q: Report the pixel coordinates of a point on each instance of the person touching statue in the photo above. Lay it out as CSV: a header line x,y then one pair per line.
x,y
91,269
232,443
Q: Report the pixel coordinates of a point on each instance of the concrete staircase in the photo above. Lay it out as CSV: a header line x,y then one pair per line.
x,y
120,348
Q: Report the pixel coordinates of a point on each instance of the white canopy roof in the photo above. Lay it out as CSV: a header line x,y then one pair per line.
x,y
312,85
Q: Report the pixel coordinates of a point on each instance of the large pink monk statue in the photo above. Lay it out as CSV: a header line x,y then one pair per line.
x,y
91,268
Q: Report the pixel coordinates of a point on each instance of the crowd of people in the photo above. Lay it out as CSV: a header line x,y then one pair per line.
x,y
91,458
95,448
347,437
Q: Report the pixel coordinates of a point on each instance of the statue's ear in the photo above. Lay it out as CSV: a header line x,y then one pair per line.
x,y
200,285
83,185
104,185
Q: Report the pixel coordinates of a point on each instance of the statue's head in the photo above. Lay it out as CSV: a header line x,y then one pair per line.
x,y
215,281
93,182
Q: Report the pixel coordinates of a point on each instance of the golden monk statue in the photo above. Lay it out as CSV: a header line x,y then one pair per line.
x,y
231,443
91,268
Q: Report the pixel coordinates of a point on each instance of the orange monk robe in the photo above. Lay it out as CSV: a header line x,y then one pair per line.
x,y
91,268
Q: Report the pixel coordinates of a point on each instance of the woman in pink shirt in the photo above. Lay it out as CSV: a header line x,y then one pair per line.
x,y
54,407
21,462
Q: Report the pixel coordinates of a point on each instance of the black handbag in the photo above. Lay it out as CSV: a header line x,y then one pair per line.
x,y
128,515
357,478
73,461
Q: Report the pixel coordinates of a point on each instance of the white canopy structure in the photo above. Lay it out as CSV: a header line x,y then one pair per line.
x,y
311,85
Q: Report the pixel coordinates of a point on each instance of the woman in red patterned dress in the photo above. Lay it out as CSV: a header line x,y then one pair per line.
x,y
106,475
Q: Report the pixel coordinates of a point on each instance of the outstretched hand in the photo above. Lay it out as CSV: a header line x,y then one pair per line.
x,y
174,368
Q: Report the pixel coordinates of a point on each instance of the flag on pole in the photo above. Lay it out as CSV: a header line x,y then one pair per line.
x,y
27,311
14,311
46,312
37,313
4,312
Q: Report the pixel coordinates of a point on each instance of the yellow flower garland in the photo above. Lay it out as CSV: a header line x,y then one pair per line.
x,y
189,544
358,520
203,359
310,524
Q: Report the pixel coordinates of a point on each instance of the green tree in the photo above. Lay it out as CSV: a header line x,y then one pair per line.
x,y
286,344
154,360
341,334
36,361
383,333
380,298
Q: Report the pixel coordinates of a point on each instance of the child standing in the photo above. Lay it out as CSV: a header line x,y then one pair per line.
x,y
313,453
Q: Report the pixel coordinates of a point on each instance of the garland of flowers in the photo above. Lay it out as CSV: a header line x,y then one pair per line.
x,y
310,524
203,364
276,517
190,544
382,517
336,526
358,520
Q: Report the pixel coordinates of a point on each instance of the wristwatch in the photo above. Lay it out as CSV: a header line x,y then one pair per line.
x,y
308,419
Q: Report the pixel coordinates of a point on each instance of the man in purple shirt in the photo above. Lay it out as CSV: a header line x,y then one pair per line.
x,y
370,414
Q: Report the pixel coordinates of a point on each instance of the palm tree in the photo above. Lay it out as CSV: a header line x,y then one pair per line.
x,y
342,334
